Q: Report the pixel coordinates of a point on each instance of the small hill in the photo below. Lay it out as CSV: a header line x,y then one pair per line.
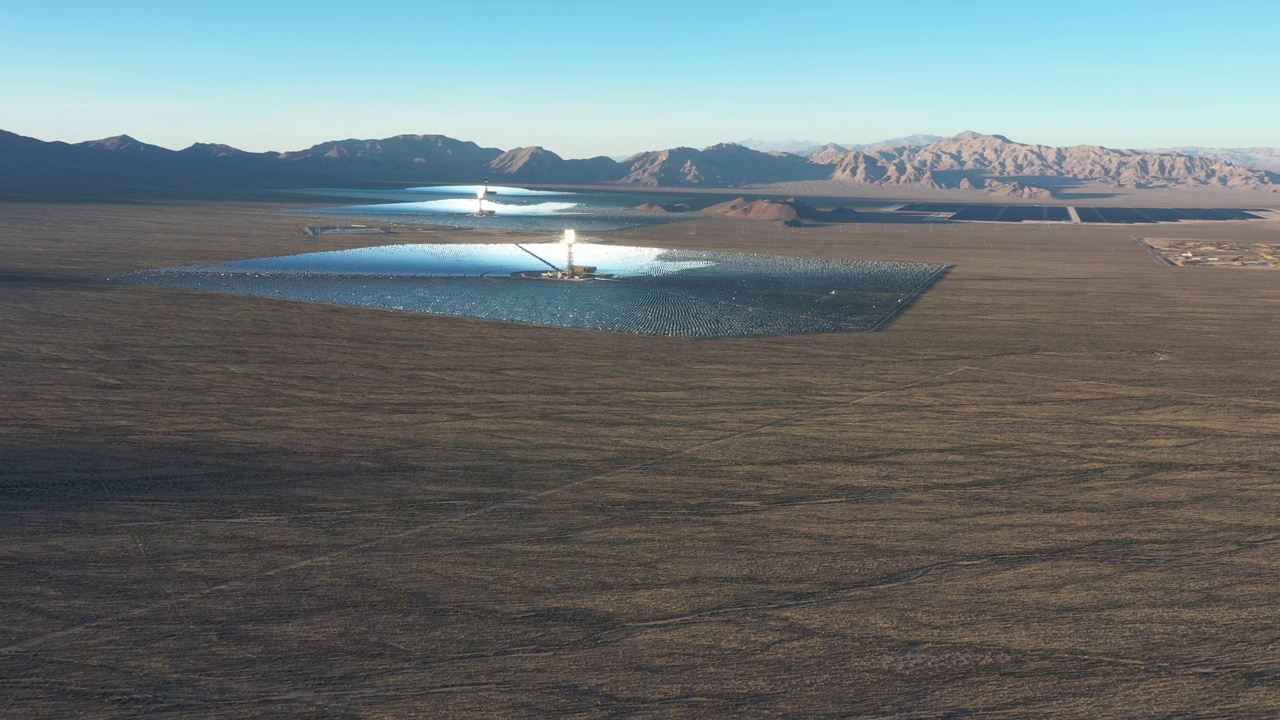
x,y
755,209
789,211
656,208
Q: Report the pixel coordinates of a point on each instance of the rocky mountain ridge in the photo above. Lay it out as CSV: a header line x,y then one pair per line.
x,y
967,161
1262,158
806,147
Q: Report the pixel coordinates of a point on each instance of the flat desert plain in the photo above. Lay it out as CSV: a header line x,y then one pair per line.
x,y
1049,489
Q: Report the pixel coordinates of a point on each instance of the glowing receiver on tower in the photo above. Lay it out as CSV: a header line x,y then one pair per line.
x,y
570,271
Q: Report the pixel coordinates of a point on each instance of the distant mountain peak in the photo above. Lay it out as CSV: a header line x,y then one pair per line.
x,y
217,150
124,144
808,147
110,143
916,140
1262,158
791,146
518,159
971,135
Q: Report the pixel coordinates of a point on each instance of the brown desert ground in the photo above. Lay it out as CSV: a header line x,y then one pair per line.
x,y
1050,489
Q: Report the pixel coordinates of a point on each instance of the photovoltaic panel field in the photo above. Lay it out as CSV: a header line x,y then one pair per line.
x,y
1012,213
1058,213
1157,215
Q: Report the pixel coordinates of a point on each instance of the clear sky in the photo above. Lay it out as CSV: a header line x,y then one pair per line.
x,y
612,78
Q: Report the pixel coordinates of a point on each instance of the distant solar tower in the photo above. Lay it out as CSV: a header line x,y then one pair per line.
x,y
481,194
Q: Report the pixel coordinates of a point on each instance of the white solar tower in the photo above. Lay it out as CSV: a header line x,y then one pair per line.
x,y
570,237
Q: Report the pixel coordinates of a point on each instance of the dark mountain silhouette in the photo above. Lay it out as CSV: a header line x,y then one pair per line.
x,y
723,165
422,157
968,161
21,151
123,145
215,150
538,165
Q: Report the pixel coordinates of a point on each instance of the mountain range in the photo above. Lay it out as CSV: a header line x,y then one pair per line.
x,y
969,160
801,147
1262,158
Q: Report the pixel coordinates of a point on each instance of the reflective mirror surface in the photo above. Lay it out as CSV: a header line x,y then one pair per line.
x,y
652,291
511,208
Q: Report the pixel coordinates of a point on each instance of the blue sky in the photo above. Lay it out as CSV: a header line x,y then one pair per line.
x,y
591,78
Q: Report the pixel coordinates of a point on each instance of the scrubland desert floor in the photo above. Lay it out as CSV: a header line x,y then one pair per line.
x,y
1050,489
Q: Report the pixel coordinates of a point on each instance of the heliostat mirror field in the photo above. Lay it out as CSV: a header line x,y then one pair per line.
x,y
650,291
497,206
